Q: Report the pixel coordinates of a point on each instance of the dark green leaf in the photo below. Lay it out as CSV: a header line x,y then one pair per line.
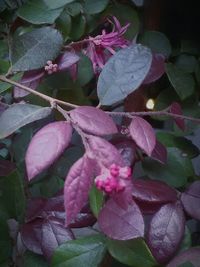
x,y
87,251
5,86
74,9
5,242
32,260
133,253
186,264
52,4
33,49
78,27
186,63
64,24
37,12
95,6
96,200
85,70
187,240
19,115
182,82
157,41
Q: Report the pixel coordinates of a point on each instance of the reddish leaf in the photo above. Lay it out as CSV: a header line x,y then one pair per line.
x,y
77,185
121,224
143,134
157,69
93,120
43,236
154,192
148,208
46,146
159,153
124,198
30,79
175,108
191,255
166,231
83,219
66,60
191,200
6,167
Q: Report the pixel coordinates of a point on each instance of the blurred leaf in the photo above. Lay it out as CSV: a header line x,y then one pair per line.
x,y
73,9
187,240
78,27
5,86
64,24
5,242
186,63
85,70
32,260
96,200
32,50
52,4
37,12
95,6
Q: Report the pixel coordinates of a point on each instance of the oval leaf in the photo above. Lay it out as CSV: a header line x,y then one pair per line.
x,y
191,200
33,49
18,115
166,232
66,60
192,255
93,120
77,185
123,73
121,224
175,108
143,135
159,153
46,146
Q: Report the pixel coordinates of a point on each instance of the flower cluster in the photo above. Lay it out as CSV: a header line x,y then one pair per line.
x,y
102,46
50,67
112,180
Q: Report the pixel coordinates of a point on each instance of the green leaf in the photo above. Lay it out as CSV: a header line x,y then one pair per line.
x,y
32,260
96,200
37,12
187,240
186,264
186,63
12,197
64,24
33,49
95,6
52,4
85,70
87,251
157,41
73,9
5,86
132,253
5,241
182,82
174,173
18,115
78,27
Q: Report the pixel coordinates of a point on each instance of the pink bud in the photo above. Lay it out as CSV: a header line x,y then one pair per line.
x,y
125,172
49,62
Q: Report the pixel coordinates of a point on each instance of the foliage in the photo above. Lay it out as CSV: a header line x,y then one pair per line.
x,y
90,174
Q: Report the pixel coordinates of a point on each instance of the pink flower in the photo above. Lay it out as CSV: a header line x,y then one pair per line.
x,y
112,180
101,47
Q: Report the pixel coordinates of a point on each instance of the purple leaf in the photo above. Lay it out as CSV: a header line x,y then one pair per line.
x,y
175,108
157,69
159,153
83,219
191,255
166,231
191,200
46,146
148,208
43,236
93,120
143,134
6,167
121,224
153,192
66,60
124,198
77,185
30,79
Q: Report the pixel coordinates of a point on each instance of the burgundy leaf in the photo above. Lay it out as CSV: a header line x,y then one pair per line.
x,y
191,255
77,185
175,108
6,167
93,120
159,153
43,236
143,134
73,70
157,69
83,220
121,224
30,79
66,60
46,146
166,231
191,200
154,192
35,207
148,208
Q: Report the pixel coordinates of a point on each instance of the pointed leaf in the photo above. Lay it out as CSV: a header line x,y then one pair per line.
x,y
192,255
166,232
121,224
18,115
66,60
46,146
123,73
191,200
77,185
87,251
33,49
93,120
143,134
96,200
175,108
159,153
